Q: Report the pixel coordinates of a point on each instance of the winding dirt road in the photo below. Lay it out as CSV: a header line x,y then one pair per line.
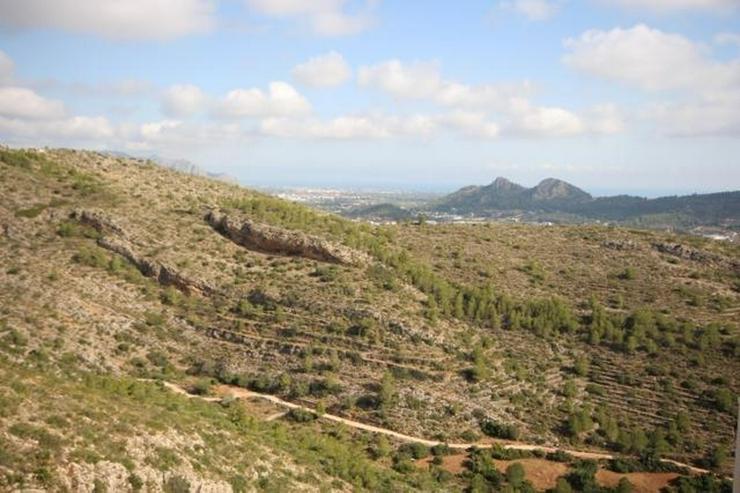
x,y
239,392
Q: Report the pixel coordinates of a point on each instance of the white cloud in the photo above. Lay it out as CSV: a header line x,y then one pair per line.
x,y
534,10
323,17
7,67
349,127
323,71
155,130
422,80
76,129
19,102
183,100
501,97
545,121
509,103
704,97
649,59
340,24
417,80
702,117
294,7
281,99
676,5
532,121
346,127
174,137
83,127
605,119
472,124
28,117
130,19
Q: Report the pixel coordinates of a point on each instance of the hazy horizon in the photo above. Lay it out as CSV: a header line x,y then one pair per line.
x,y
442,188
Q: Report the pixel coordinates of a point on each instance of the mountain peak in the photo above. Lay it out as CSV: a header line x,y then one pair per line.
x,y
555,189
502,183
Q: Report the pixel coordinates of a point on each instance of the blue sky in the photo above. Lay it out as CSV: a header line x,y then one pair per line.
x,y
639,96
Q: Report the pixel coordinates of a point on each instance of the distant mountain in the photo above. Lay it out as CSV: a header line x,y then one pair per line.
x,y
190,168
181,165
552,196
503,194
553,190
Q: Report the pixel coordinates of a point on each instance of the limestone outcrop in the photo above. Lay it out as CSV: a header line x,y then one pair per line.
x,y
114,238
688,253
279,241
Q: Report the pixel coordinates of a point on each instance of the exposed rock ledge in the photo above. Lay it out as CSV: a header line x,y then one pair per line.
x,y
115,239
279,241
688,253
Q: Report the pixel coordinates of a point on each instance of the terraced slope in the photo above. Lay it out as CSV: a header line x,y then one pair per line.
x,y
123,269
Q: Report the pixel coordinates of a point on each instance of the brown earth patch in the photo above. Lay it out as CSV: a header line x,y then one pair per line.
x,y
543,474
452,463
644,482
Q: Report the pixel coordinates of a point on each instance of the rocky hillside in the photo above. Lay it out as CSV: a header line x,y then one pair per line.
x,y
119,276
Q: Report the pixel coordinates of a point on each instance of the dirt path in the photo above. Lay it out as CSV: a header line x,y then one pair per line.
x,y
244,393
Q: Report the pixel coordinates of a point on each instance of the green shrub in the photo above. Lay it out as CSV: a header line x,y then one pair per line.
x,y
201,387
415,450
17,158
300,415
239,483
164,458
724,400
326,273
177,484
31,212
99,486
500,430
136,482
705,483
515,474
171,296
92,257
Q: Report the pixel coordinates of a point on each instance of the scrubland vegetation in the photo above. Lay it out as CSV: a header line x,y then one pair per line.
x,y
588,338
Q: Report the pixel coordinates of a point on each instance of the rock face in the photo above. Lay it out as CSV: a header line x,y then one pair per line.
x,y
619,245
99,221
115,239
678,250
279,241
688,253
163,273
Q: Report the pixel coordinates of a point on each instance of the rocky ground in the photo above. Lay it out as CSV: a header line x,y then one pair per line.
x,y
117,268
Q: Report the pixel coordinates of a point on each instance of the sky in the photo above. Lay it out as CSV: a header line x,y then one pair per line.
x,y
615,96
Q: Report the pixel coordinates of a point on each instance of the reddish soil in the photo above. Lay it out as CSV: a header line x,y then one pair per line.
x,y
644,482
543,474
452,463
